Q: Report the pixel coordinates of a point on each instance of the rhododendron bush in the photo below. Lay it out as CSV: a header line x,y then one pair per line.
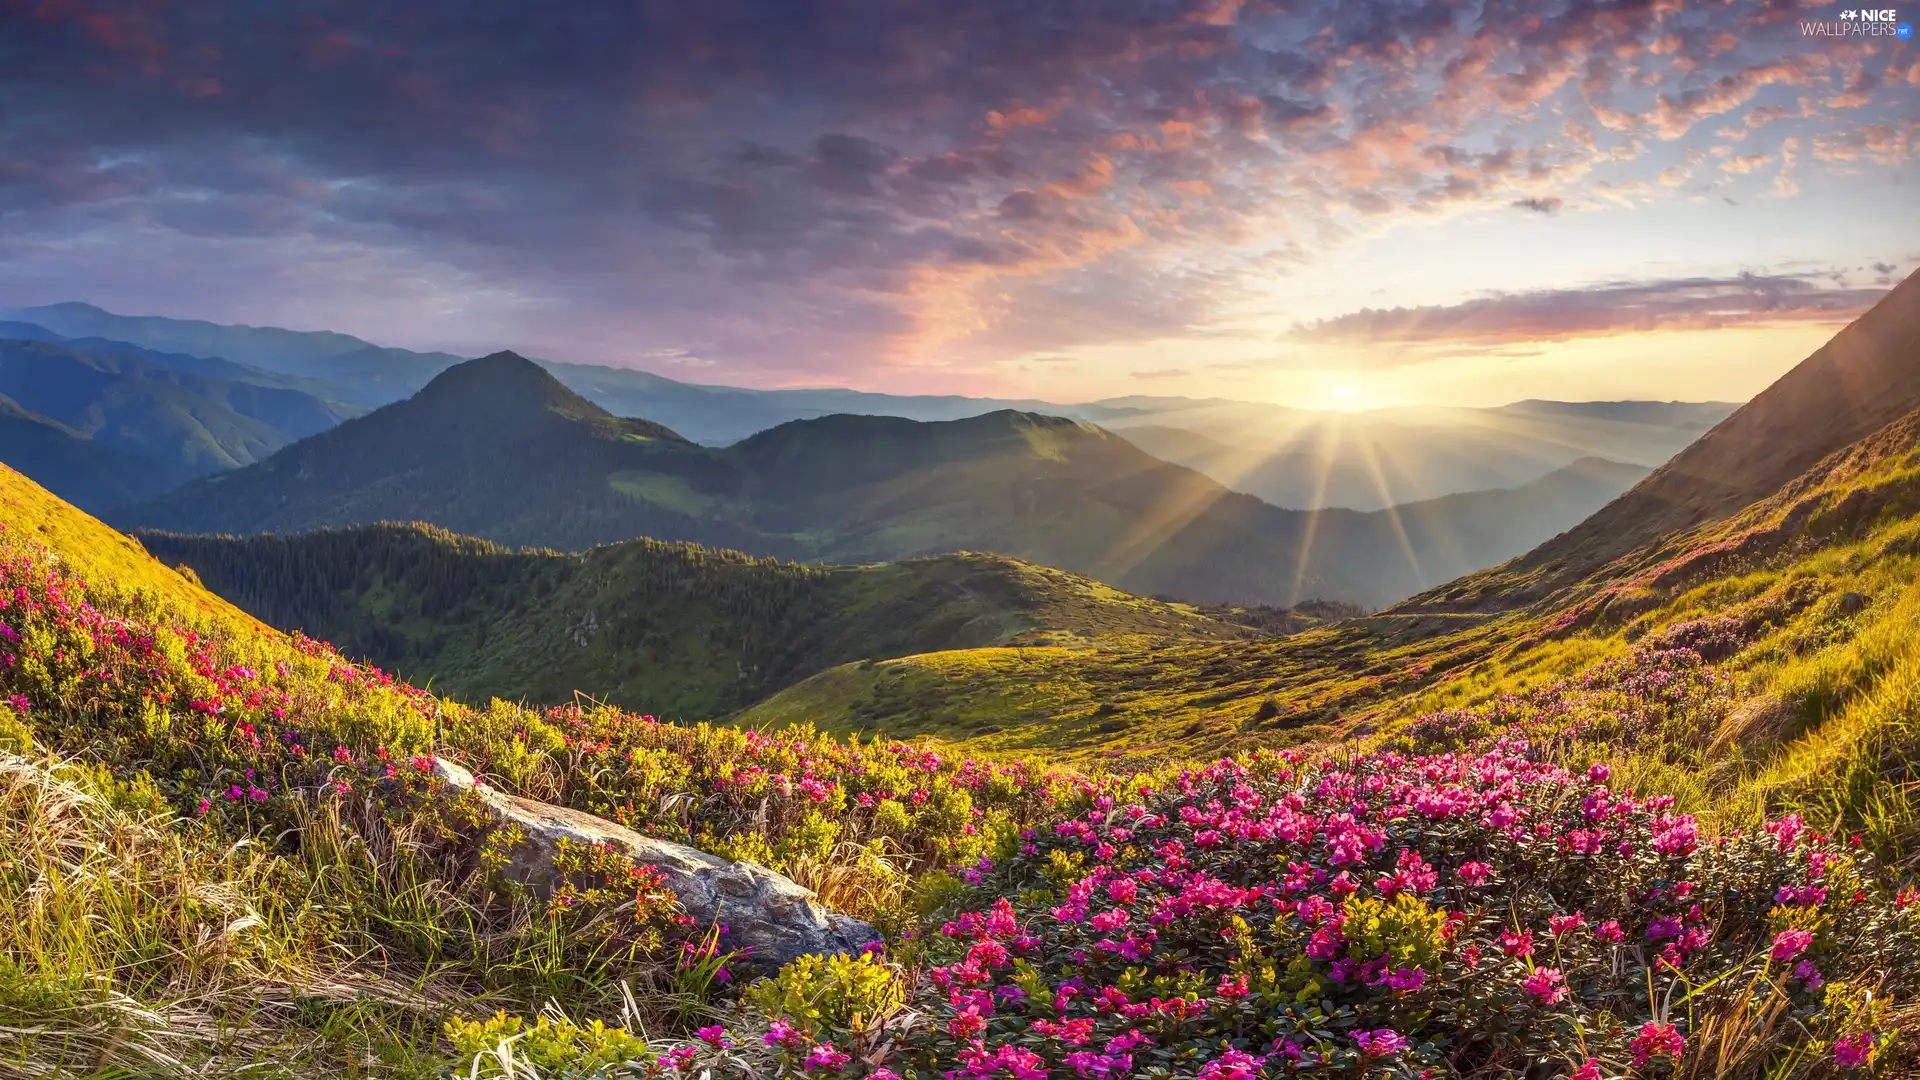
x,y
1456,914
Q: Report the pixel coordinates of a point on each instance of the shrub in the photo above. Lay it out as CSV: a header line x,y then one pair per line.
x,y
1476,914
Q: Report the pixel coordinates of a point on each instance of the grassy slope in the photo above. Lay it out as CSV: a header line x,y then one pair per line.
x,y
1813,708
1816,710
674,629
95,552
210,868
1867,376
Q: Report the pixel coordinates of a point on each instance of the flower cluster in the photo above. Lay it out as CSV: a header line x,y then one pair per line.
x,y
1470,913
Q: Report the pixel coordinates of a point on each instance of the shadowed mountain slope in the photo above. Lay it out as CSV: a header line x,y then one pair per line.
x,y
493,447
186,424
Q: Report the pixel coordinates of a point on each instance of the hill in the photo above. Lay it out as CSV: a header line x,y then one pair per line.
x,y
185,424
1863,379
678,630
82,471
498,449
242,787
493,447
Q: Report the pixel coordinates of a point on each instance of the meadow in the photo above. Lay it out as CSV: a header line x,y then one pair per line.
x,y
1661,827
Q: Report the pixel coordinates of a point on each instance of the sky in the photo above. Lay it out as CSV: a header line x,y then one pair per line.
x,y
1327,204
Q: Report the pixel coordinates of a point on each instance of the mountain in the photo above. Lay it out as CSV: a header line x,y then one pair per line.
x,y
1372,460
494,447
1864,378
173,768
356,371
676,629
353,370
1299,458
85,473
184,424
498,448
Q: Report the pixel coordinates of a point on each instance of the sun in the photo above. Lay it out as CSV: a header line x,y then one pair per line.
x,y
1345,396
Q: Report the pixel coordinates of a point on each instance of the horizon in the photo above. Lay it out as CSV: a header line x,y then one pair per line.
x,y
1337,207
1359,410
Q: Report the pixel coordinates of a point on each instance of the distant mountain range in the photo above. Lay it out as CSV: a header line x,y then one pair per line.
x,y
1298,458
104,423
1369,461
498,448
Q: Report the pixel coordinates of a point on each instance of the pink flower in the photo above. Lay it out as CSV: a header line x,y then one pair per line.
x,y
1809,975
1588,1071
1475,873
1788,944
825,1056
1232,1065
784,1035
1546,986
1381,1042
1407,978
1854,1051
681,1057
1656,1040
1562,925
714,1036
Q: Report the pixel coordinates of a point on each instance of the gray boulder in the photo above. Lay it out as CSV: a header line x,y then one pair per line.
x,y
764,912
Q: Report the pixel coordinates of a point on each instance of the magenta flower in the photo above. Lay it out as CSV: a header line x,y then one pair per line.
x,y
1406,978
1809,975
1588,1071
825,1056
1546,986
1232,1065
714,1036
1656,1040
1854,1051
1788,944
784,1035
1381,1042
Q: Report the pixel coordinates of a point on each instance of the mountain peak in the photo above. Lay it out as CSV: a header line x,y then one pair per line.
x,y
505,384
504,390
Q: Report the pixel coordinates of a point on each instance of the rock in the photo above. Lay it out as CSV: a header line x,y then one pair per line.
x,y
764,912
1852,602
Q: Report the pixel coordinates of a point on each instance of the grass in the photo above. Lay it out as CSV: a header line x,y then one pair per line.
x,y
672,492
1755,666
678,630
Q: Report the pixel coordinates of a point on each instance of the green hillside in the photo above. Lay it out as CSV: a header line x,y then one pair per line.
x,y
1752,666
492,448
497,448
673,629
1866,377
88,473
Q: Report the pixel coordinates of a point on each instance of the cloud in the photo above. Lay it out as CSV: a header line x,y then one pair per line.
x,y
798,192
1609,308
1163,373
